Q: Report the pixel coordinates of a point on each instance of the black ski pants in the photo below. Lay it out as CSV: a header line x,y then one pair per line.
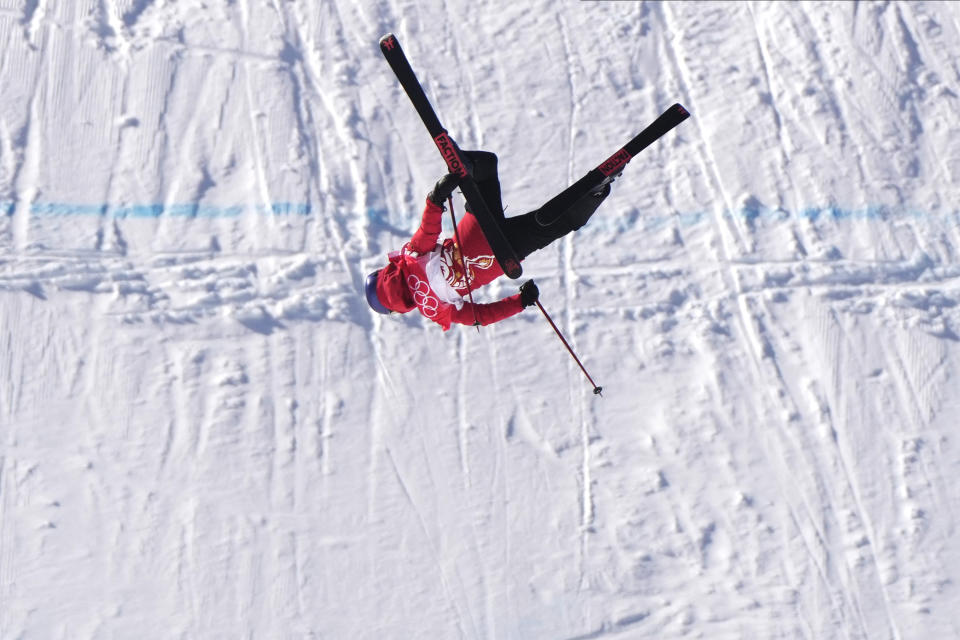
x,y
524,233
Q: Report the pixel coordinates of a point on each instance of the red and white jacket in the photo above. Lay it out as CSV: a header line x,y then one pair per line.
x,y
430,277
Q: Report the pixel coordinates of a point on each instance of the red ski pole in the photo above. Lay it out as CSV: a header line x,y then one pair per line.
x,y
597,391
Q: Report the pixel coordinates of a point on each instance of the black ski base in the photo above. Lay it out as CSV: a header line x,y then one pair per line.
x,y
610,168
505,254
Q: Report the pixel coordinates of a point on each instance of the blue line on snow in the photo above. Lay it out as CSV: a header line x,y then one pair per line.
x,y
66,209
751,215
748,214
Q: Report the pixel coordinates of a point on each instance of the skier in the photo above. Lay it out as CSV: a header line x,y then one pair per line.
x,y
434,277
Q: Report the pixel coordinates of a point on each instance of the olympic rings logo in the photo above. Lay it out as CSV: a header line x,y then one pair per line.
x,y
421,296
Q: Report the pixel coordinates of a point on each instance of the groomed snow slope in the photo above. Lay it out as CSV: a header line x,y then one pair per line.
x,y
204,433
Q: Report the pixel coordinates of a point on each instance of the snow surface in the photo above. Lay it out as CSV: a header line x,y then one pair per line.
x,y
204,433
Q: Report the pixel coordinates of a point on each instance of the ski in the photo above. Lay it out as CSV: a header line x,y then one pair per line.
x,y
610,168
502,250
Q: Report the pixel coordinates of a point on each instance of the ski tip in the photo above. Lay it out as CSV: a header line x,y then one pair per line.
x,y
679,108
512,268
388,42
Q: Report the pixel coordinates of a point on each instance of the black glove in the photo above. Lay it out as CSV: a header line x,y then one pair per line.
x,y
529,294
443,189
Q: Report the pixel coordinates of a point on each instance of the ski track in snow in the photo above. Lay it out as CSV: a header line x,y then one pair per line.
x,y
206,433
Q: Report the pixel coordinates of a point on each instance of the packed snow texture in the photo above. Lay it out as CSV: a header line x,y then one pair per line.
x,y
205,433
